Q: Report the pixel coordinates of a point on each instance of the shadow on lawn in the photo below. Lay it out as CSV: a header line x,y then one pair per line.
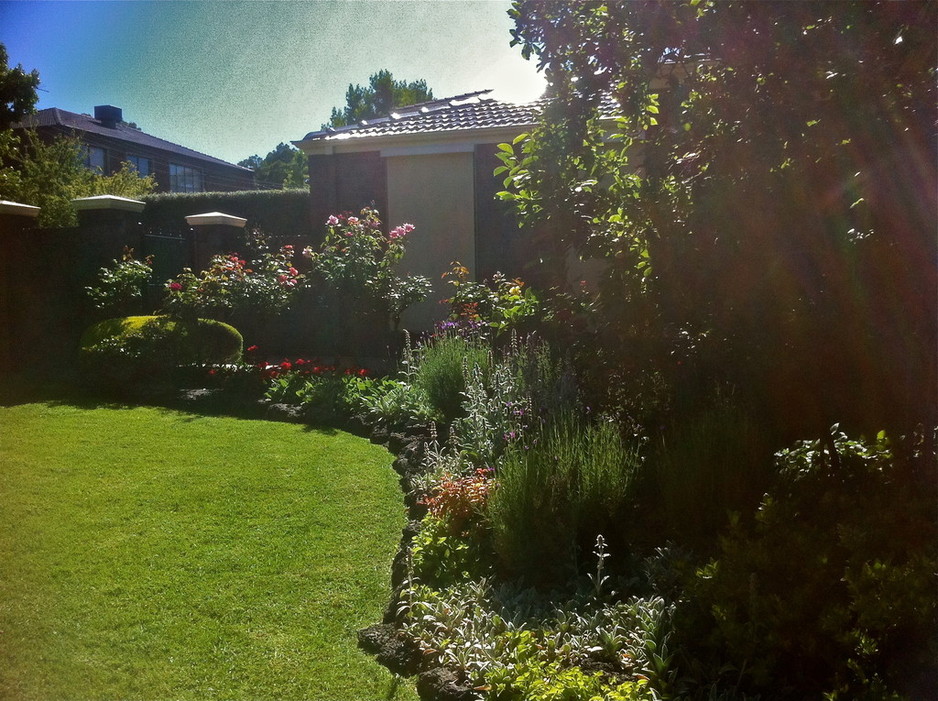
x,y
26,388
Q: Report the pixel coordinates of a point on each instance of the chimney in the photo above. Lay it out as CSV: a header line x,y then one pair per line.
x,y
108,116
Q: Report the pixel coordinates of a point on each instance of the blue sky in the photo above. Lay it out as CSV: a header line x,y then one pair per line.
x,y
234,78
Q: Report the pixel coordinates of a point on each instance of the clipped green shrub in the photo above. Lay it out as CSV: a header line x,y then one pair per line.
x,y
554,496
147,348
278,213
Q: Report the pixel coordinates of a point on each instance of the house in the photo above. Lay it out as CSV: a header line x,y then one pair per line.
x,y
431,165
110,141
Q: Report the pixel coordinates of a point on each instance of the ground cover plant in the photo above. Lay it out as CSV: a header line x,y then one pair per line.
x,y
155,554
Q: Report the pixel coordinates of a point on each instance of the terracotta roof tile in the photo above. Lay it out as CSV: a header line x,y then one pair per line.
x,y
469,111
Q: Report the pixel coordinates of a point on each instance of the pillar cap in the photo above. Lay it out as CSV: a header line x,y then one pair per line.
x,y
216,219
108,202
16,208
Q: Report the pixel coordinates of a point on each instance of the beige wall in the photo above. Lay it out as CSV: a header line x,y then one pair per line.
x,y
435,194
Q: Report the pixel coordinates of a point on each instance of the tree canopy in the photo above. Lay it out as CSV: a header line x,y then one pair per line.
x,y
382,94
17,91
751,170
284,167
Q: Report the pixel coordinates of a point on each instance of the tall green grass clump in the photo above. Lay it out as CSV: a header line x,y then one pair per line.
x,y
555,495
441,374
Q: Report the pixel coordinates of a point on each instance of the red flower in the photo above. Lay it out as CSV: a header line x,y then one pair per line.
x,y
175,286
286,366
363,372
251,349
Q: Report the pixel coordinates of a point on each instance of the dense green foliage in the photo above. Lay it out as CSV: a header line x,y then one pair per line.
x,y
285,168
17,91
129,352
556,495
377,99
761,179
153,554
832,588
278,213
441,374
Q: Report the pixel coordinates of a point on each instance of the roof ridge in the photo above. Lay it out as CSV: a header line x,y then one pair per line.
x,y
404,114
58,112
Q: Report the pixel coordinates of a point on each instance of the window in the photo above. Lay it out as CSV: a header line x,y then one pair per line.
x,y
94,158
143,165
184,179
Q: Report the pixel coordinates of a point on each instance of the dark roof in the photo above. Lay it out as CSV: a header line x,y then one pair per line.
x,y
468,111
54,117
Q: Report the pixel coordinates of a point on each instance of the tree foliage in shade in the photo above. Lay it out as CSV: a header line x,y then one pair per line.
x,y
284,167
377,99
17,91
769,182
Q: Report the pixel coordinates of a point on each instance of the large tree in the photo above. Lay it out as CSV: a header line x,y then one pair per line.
x,y
17,91
764,175
284,167
377,99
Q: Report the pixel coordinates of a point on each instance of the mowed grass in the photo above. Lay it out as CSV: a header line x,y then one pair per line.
x,y
152,554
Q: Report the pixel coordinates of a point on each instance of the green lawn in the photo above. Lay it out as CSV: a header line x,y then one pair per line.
x,y
153,554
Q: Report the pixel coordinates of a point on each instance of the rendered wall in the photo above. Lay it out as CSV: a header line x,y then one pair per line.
x,y
435,193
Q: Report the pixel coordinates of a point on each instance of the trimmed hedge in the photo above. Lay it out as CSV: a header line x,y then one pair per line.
x,y
133,351
281,213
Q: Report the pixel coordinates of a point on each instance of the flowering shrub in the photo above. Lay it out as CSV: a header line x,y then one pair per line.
x,y
232,286
121,287
499,303
356,265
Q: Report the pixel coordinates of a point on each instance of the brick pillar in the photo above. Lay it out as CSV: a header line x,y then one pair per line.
x,y
212,233
106,224
16,222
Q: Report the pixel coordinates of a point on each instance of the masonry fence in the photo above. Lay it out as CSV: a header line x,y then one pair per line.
x,y
43,272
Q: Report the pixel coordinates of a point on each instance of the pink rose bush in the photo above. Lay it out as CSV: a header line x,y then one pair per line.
x,y
358,267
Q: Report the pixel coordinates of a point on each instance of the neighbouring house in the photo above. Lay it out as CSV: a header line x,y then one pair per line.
x,y
110,142
431,165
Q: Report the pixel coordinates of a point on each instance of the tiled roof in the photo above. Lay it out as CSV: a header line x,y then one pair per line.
x,y
469,111
54,117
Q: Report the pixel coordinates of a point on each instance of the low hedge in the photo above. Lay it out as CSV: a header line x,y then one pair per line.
x,y
279,213
146,349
